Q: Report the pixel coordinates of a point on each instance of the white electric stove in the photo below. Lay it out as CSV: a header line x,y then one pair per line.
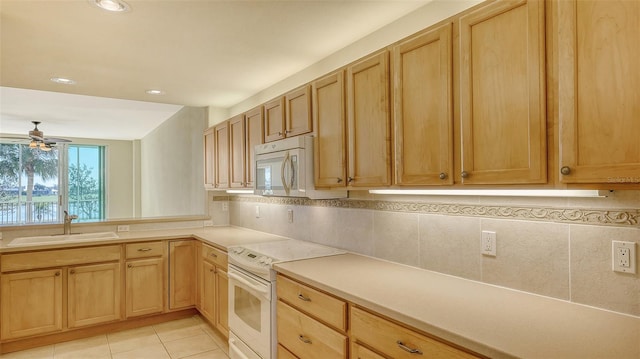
x,y
252,293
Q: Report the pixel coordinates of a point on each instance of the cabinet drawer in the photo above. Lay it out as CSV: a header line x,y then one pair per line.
x,y
214,255
360,352
283,353
331,310
308,338
388,338
59,258
146,249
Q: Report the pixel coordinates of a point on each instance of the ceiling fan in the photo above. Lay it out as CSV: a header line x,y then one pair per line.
x,y
36,139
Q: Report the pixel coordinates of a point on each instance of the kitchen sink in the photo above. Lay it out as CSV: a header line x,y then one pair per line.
x,y
61,238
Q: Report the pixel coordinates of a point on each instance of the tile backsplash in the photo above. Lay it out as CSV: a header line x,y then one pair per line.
x,y
556,247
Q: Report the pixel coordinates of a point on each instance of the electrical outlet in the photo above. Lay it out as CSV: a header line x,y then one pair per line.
x,y
208,223
290,215
488,243
123,228
623,256
257,211
225,206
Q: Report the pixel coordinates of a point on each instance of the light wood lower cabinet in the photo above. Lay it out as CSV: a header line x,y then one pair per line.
x,y
306,337
93,294
396,341
214,292
182,270
145,278
31,303
360,352
145,287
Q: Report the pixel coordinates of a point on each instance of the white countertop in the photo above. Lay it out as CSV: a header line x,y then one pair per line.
x,y
221,237
491,320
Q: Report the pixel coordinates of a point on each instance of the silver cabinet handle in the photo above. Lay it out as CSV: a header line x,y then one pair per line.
x,y
350,179
339,179
443,175
213,255
57,274
73,271
565,170
304,339
144,249
279,133
464,174
303,298
407,349
288,131
129,265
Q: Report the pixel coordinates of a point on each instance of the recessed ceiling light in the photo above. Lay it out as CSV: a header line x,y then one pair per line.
x,y
111,5
63,80
155,92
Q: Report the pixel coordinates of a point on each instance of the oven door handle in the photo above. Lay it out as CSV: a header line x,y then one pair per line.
x,y
236,350
259,289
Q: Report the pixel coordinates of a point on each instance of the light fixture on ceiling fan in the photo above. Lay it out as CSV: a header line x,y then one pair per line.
x,y
39,141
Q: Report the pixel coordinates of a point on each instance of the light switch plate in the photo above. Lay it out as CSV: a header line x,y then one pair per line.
x,y
123,228
623,256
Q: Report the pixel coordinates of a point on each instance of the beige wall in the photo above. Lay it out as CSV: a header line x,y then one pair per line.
x,y
171,166
559,248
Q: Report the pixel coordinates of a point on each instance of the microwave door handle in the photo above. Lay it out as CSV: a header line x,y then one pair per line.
x,y
283,174
293,172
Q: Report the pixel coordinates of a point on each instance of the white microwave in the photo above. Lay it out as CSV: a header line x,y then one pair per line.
x,y
284,168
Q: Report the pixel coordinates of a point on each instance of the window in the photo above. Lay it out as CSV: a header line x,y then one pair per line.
x,y
37,186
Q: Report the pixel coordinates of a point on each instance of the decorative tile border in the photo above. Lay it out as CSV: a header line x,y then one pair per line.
x,y
610,217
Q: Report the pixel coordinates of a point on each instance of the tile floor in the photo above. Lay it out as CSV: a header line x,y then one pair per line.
x,y
189,338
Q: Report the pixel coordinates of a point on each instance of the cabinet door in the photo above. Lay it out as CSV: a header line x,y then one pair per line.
x,y
221,162
237,148
31,303
274,120
145,287
599,100
93,294
209,151
298,116
502,94
329,121
182,273
222,300
369,125
208,291
254,136
360,352
423,110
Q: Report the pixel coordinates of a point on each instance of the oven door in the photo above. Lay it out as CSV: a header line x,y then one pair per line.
x,y
250,311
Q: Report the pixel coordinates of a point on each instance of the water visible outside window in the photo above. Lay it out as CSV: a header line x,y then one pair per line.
x,y
34,182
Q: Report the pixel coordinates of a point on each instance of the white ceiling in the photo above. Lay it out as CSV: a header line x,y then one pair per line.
x,y
201,53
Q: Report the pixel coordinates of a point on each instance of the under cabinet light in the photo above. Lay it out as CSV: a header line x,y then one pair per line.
x,y
240,191
491,192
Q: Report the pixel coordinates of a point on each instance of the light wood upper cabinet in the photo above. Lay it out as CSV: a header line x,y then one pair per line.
x,y
274,120
502,94
298,116
31,303
254,131
221,159
598,97
93,294
369,122
237,147
423,109
209,154
289,115
329,121
182,269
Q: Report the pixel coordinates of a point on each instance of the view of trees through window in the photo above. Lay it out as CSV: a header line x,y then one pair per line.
x,y
37,186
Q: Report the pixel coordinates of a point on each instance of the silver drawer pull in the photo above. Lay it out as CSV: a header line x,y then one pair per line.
x,y
407,349
304,339
213,255
303,298
144,249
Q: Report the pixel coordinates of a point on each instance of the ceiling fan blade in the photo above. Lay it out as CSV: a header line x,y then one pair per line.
x,y
49,140
36,138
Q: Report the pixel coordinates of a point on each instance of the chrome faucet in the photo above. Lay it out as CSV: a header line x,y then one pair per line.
x,y
67,222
